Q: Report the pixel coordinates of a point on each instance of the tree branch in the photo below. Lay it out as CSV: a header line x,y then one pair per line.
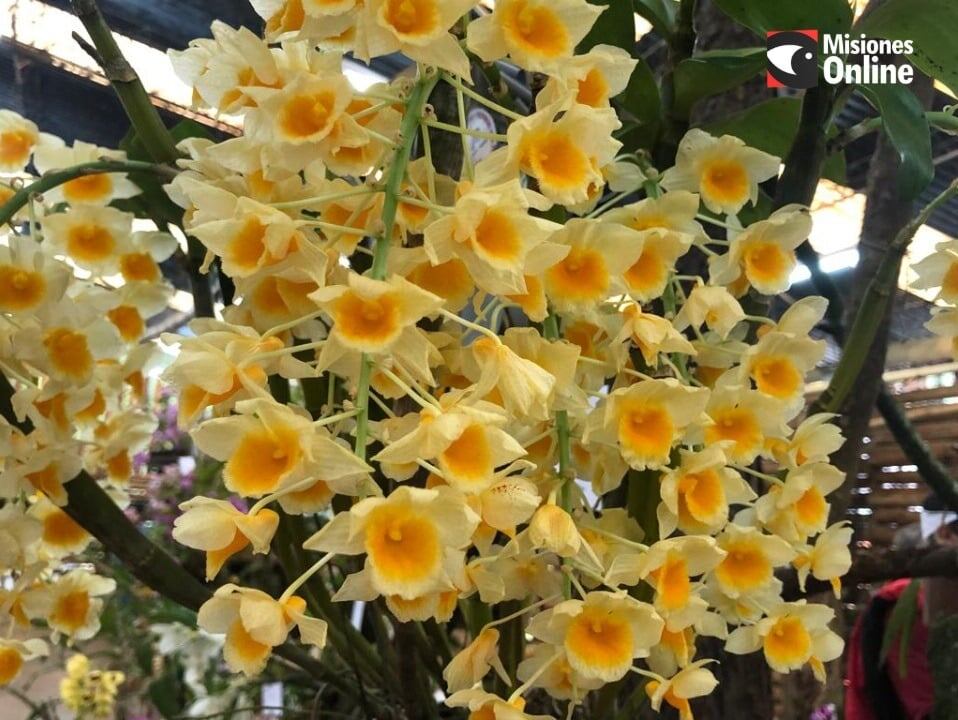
x,y
136,102
56,178
871,311
872,567
147,124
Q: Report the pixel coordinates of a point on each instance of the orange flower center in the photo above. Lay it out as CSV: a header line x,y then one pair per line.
x,y
128,321
59,530
647,273
745,567
309,115
403,546
496,238
289,18
262,459
788,643
469,457
536,29
646,430
725,181
90,243
20,289
91,188
412,17
10,664
593,89
581,276
599,639
701,496
555,159
738,425
15,147
767,262
368,322
71,610
139,266
777,376
69,353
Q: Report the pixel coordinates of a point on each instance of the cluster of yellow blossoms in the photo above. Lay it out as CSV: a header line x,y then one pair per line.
x,y
89,693
487,467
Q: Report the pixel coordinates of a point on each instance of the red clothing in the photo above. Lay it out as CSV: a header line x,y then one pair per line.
x,y
914,691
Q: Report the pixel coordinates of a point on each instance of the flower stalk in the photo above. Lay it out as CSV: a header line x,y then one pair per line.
x,y
407,134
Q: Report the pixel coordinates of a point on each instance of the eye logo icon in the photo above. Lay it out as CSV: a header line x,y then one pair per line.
x,y
792,59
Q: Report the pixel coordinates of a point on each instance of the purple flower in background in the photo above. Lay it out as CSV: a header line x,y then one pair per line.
x,y
825,712
239,503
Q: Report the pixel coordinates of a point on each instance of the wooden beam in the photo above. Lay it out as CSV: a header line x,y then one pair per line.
x,y
171,23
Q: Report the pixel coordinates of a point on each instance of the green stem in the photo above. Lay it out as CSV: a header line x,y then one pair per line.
x,y
945,121
482,99
871,311
58,177
465,131
564,449
136,102
407,134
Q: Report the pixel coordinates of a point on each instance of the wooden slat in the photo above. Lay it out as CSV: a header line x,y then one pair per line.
x,y
927,394
943,431
891,454
922,415
881,535
896,498
902,516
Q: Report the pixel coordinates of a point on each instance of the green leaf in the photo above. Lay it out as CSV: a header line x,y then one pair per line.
x,y
827,16
153,203
660,13
165,693
615,26
899,625
905,124
770,127
709,73
929,24
640,109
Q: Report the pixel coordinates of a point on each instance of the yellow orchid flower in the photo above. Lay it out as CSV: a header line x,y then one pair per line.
x,y
593,78
793,635
696,495
723,170
750,557
29,277
14,653
646,419
220,530
601,634
254,623
413,539
535,34
72,604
